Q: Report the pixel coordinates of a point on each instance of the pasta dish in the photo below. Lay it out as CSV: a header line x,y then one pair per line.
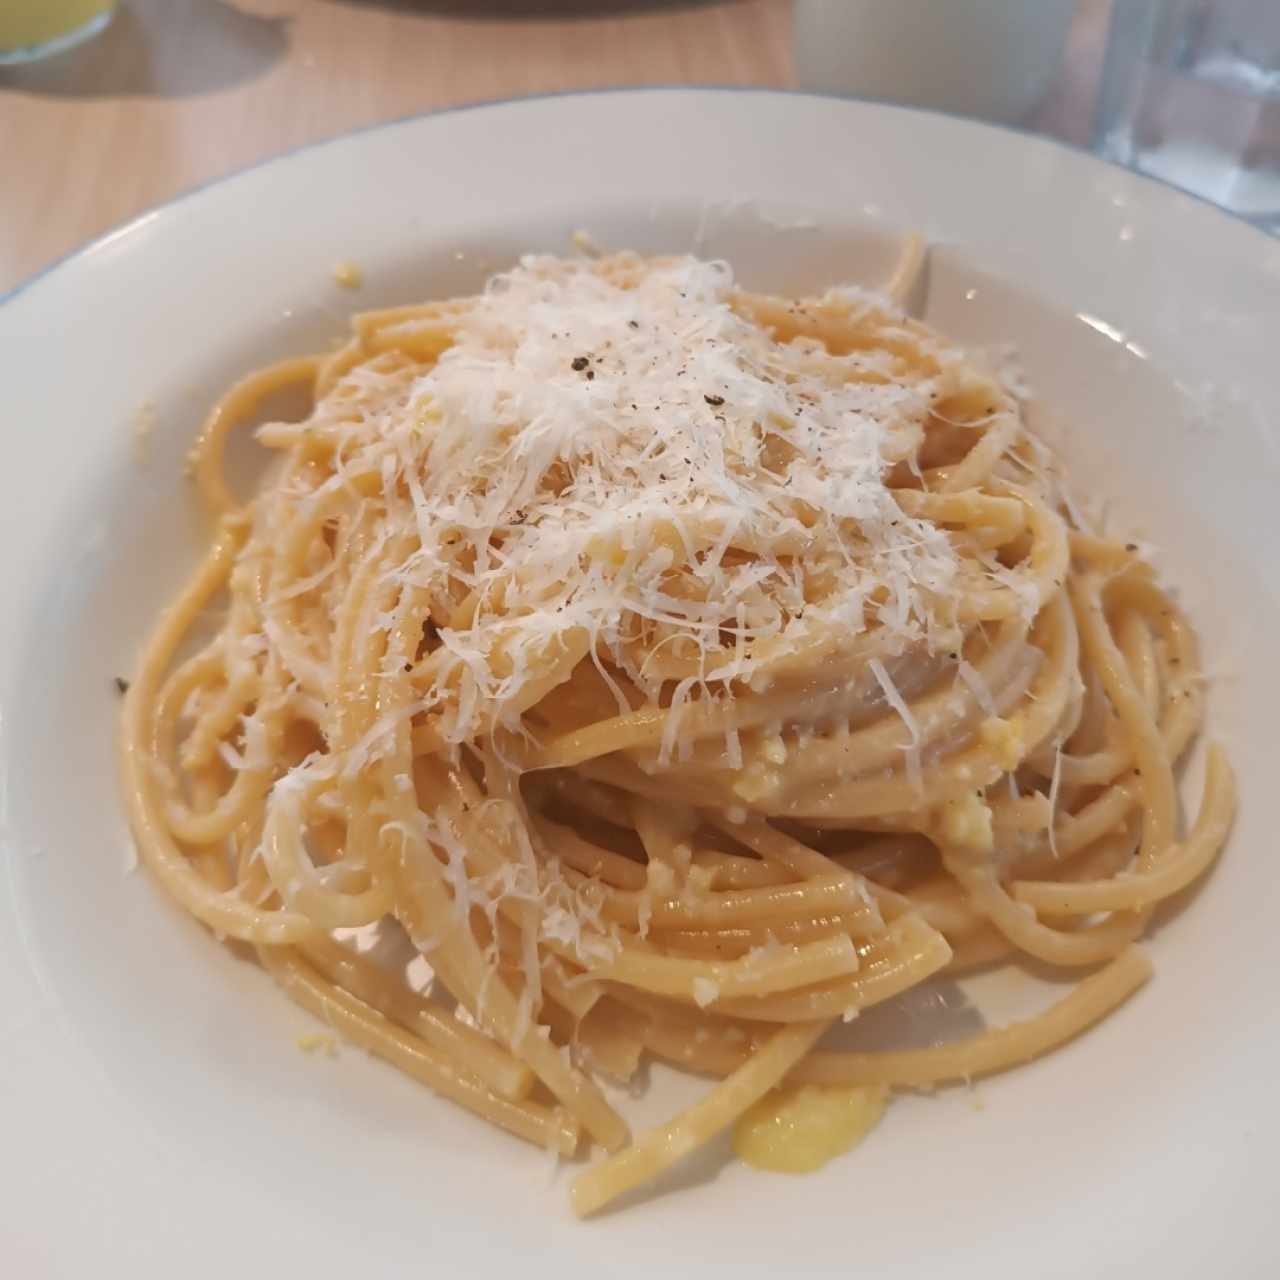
x,y
653,668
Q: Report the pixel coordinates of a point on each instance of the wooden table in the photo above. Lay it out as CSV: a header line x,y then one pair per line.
x,y
176,92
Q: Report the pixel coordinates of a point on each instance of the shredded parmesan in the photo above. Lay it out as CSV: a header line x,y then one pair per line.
x,y
1005,740
895,699
705,992
978,687
966,823
587,422
1055,782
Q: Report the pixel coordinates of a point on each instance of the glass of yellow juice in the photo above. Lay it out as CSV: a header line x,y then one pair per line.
x,y
30,29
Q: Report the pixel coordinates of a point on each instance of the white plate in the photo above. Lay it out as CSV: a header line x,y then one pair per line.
x,y
156,1116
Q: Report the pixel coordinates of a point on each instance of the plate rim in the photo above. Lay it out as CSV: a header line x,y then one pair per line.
x,y
137,243
131,224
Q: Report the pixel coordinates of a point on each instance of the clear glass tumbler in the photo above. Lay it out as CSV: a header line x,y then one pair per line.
x,y
1191,94
31,29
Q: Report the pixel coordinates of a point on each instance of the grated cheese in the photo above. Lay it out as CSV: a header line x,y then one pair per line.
x,y
1055,783
977,686
895,699
966,823
614,431
705,992
1005,739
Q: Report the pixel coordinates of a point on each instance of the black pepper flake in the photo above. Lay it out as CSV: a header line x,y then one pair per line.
x,y
1131,546
953,656
634,324
580,363
122,685
714,401
591,373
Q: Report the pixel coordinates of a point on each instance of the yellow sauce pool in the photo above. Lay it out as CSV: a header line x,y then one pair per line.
x,y
799,1130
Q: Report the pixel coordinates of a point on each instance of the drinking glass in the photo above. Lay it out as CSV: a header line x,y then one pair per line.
x,y
1190,93
31,29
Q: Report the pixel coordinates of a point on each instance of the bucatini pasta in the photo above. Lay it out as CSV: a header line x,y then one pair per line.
x,y
672,670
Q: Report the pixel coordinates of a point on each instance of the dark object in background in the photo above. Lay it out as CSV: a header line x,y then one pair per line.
x,y
528,9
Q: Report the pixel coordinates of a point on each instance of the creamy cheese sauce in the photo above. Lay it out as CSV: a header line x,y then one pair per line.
x,y
800,1130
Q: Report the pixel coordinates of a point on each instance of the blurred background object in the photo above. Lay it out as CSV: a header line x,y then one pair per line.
x,y
993,59
175,93
1191,94
31,29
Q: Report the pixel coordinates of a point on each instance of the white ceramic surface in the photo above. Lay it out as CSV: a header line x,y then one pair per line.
x,y
156,1117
